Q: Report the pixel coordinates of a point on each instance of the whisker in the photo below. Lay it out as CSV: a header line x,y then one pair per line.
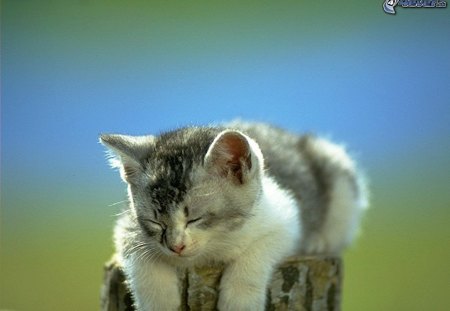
x,y
121,213
144,251
149,256
117,203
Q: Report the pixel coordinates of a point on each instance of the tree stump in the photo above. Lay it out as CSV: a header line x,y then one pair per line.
x,y
299,283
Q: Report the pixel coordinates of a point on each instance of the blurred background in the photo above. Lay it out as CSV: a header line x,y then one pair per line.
x,y
73,69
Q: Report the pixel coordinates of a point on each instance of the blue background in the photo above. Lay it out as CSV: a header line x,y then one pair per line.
x,y
73,69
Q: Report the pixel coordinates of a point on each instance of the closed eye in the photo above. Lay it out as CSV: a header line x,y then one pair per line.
x,y
155,223
193,221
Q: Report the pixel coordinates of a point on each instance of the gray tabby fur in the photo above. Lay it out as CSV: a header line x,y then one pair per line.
x,y
242,194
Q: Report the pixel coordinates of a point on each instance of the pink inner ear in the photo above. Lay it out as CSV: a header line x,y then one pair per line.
x,y
234,155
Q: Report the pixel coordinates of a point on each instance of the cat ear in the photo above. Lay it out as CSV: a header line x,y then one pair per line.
x,y
128,153
232,156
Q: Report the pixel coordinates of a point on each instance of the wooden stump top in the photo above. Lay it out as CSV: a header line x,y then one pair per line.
x,y
299,283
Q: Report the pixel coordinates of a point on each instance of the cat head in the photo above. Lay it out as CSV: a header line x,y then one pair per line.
x,y
188,188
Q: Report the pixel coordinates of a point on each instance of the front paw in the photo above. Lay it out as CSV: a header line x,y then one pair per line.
x,y
154,286
241,296
167,299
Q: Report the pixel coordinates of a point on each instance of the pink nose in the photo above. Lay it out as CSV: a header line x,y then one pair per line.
x,y
178,248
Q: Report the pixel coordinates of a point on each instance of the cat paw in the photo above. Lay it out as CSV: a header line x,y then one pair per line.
x,y
316,245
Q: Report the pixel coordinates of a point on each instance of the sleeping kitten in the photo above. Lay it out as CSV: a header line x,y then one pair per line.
x,y
245,194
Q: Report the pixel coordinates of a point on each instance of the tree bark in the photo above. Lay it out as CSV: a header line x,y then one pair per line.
x,y
299,283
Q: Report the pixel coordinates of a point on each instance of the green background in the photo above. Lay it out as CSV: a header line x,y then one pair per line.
x,y
73,69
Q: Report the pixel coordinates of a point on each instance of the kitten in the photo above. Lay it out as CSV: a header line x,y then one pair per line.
x,y
244,194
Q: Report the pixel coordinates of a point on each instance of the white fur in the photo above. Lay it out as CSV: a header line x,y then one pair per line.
x,y
347,202
272,234
250,252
